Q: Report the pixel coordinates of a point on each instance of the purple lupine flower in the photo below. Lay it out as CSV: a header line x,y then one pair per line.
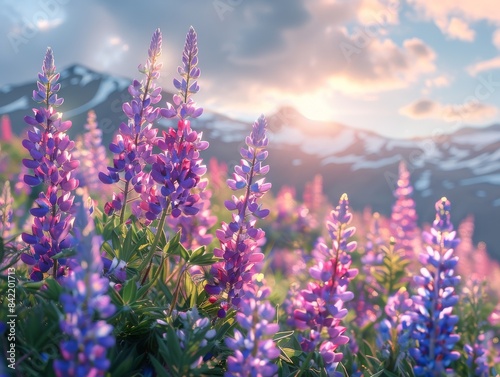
x,y
92,156
320,307
53,165
195,330
86,305
187,85
433,323
404,214
194,229
178,169
133,145
6,211
253,347
218,173
239,239
477,359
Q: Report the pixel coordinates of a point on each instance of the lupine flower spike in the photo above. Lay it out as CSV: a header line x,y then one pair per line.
x,y
239,240
86,307
52,165
320,308
133,146
254,349
404,214
6,211
92,156
178,168
433,324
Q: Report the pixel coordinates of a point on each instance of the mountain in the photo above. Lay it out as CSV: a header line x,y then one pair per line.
x,y
464,166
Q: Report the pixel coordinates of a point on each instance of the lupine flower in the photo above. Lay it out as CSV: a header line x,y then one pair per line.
x,y
194,229
313,196
6,211
393,331
86,305
320,307
404,215
477,359
239,239
133,146
218,173
53,165
433,323
178,168
253,347
193,337
92,155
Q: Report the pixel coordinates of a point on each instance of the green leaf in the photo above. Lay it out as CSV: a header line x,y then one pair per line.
x,y
160,369
129,292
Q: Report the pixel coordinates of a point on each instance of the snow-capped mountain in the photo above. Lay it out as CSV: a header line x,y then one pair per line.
x,y
464,166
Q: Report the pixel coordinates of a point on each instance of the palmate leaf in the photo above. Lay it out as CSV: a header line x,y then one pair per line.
x,y
392,274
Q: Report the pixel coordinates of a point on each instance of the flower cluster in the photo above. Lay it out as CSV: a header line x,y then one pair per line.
x,y
320,306
178,168
84,298
253,347
194,229
133,145
6,211
239,239
52,164
433,323
92,155
404,214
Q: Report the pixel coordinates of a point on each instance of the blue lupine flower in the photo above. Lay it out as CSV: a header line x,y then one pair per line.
x,y
433,323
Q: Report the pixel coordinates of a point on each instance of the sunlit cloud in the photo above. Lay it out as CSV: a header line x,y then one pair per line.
x,y
470,112
111,51
454,17
440,81
485,65
456,28
496,38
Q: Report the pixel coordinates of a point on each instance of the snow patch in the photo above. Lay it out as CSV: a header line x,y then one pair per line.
x,y
493,179
478,139
21,103
107,87
424,181
315,145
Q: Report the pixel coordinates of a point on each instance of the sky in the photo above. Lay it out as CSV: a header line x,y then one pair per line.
x,y
399,68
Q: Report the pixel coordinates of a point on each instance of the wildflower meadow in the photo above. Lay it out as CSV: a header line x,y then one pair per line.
x,y
141,258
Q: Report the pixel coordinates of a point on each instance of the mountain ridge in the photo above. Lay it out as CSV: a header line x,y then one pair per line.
x,y
463,165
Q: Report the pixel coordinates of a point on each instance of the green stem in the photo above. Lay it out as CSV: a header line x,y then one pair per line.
x,y
125,194
159,232
176,291
305,364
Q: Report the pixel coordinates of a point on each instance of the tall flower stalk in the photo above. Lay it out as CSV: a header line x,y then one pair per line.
x,y
92,155
239,240
253,346
52,165
86,306
319,308
404,215
6,211
133,145
433,324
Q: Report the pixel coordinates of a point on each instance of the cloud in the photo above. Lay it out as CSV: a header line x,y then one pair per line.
x,y
496,39
457,28
440,81
470,112
454,17
485,65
